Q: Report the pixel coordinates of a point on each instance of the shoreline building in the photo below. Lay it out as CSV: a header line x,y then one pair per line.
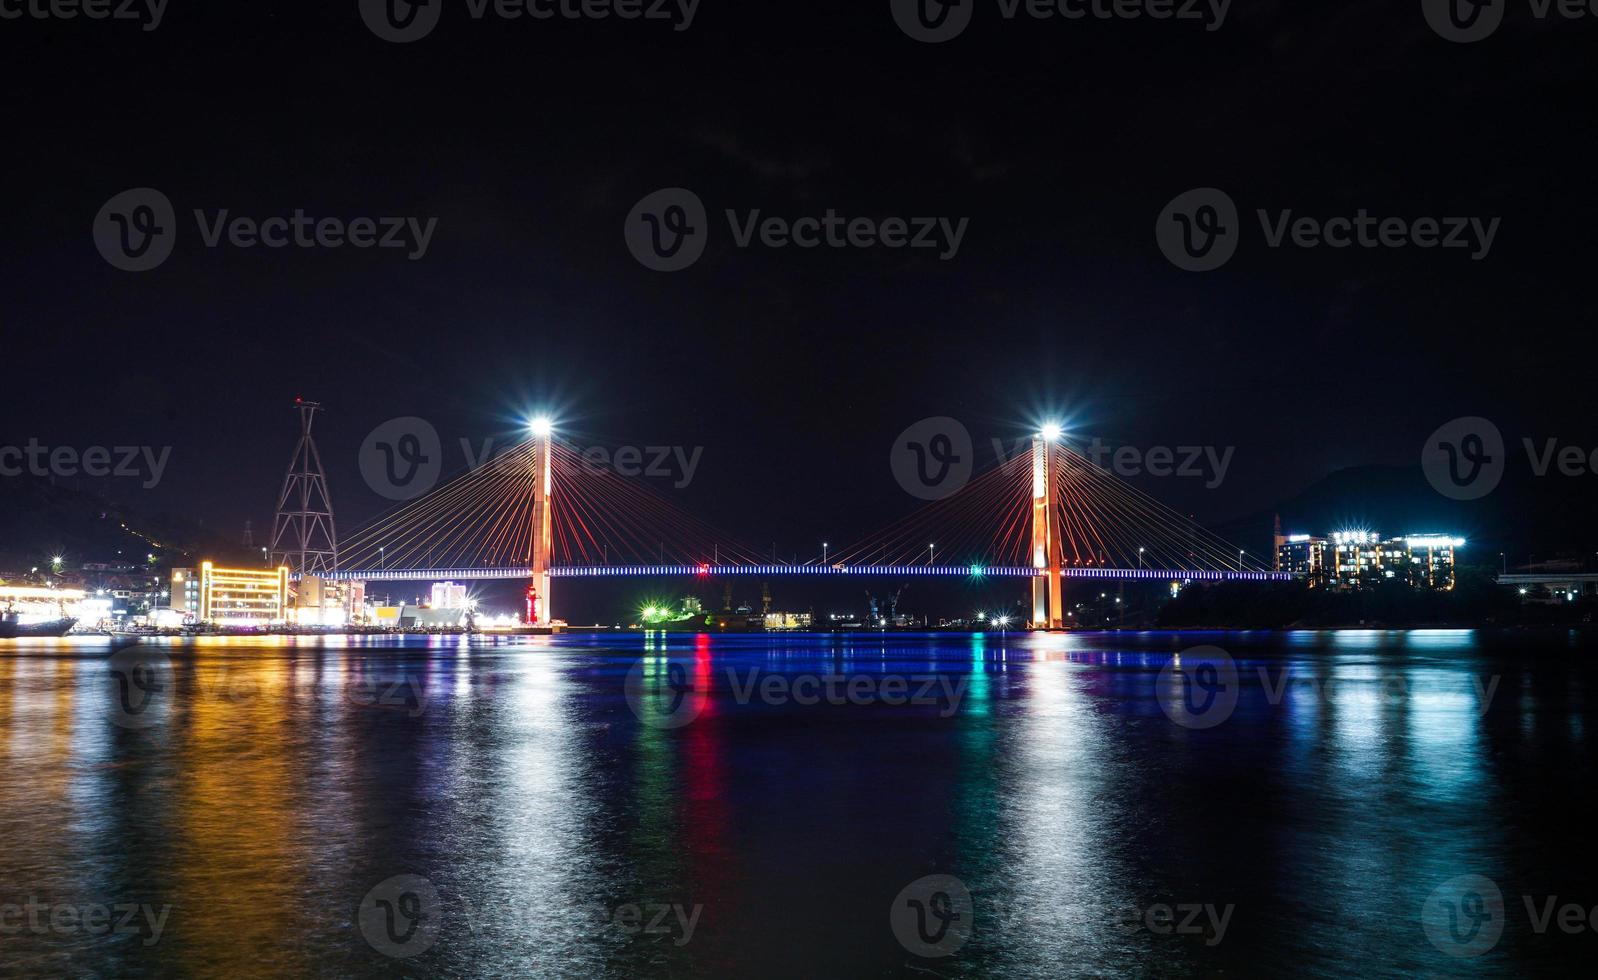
x,y
232,596
1362,559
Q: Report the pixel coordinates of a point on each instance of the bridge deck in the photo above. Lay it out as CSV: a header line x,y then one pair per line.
x,y
951,571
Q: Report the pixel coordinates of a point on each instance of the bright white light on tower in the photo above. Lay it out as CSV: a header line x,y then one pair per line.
x,y
1052,432
542,426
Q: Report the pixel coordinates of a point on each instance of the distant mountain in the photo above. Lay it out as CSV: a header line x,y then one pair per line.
x,y
40,518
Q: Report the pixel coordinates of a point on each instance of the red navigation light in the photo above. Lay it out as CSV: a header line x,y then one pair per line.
x,y
704,569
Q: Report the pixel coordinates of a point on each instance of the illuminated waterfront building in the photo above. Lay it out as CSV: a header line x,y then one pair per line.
x,y
319,602
1304,556
239,596
448,595
186,590
1423,560
1358,559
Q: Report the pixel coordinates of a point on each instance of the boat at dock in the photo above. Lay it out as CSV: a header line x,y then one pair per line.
x,y
11,626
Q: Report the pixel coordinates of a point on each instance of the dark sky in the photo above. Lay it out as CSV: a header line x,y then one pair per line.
x,y
1061,141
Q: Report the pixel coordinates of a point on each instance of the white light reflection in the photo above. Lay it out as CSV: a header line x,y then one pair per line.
x,y
1058,816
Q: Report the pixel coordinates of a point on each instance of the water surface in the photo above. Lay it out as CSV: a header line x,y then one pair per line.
x,y
787,805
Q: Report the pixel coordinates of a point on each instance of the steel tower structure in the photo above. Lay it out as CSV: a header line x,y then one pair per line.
x,y
303,535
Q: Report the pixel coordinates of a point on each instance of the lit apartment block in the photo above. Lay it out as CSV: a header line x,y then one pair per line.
x,y
1353,559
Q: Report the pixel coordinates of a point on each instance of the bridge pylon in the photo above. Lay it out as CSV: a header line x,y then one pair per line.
x,y
543,531
1048,611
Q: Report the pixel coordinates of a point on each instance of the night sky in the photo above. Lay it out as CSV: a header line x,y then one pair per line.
x,y
1061,141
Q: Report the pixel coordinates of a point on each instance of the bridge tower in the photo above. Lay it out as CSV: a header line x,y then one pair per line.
x,y
303,535
543,531
1048,611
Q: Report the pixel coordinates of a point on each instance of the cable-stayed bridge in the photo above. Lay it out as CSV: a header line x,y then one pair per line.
x,y
538,513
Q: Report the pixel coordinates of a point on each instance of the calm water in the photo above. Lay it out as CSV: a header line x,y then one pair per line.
x,y
627,804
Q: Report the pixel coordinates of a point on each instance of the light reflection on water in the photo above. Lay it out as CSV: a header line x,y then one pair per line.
x,y
275,782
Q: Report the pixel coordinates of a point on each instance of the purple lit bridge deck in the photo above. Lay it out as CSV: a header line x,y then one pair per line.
x,y
712,571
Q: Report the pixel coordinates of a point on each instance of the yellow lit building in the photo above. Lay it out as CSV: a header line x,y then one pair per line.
x,y
239,596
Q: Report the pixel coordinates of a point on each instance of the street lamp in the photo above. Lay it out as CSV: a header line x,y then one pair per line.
x,y
1140,559
929,554
1240,559
823,552
381,558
